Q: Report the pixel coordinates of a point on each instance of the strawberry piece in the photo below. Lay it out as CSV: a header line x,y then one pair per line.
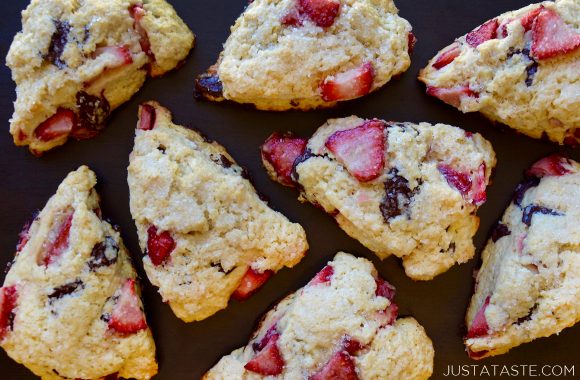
x,y
23,236
147,117
291,18
268,361
351,345
551,36
477,193
453,95
476,355
8,299
411,41
471,186
250,283
349,84
272,333
447,56
388,316
58,125
339,367
361,150
554,165
117,56
59,240
385,289
479,326
281,151
137,12
321,12
324,276
461,181
159,246
528,19
485,32
127,316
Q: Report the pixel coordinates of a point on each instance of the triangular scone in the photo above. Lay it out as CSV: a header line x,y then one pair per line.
x,y
403,189
342,325
304,54
529,284
205,231
76,61
70,306
520,69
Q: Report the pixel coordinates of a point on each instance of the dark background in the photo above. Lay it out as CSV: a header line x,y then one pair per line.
x,y
186,351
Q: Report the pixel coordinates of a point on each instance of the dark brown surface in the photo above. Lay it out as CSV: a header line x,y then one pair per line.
x,y
186,351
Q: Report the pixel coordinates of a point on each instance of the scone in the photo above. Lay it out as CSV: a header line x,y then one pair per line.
x,y
305,54
521,69
76,61
205,232
342,325
403,189
529,284
70,306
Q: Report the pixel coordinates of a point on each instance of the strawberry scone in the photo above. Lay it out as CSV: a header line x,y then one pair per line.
x,y
403,189
521,69
342,325
305,54
206,234
76,61
70,306
529,284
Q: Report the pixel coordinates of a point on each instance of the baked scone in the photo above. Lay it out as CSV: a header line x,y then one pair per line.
x,y
520,69
342,325
70,306
403,189
205,232
77,60
305,54
529,284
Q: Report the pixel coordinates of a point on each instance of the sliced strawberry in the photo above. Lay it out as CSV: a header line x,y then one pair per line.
x,y
147,117
127,316
459,180
339,367
485,32
385,289
411,41
159,246
116,56
272,333
554,165
476,355
23,236
250,283
281,151
350,345
477,193
8,299
324,276
321,12
268,361
388,316
58,125
447,56
470,185
551,36
528,19
137,12
479,326
452,95
361,150
291,18
349,84
58,239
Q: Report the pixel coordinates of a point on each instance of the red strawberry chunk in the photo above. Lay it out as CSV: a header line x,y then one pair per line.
x,y
292,18
59,239
339,367
477,193
127,316
528,19
23,236
470,185
349,84
551,36
453,95
8,299
137,12
117,56
272,333
159,246
281,151
324,276
147,117
447,56
268,361
479,326
460,180
351,345
476,355
385,289
554,165
321,12
411,41
250,283
361,150
485,32
58,125
388,316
